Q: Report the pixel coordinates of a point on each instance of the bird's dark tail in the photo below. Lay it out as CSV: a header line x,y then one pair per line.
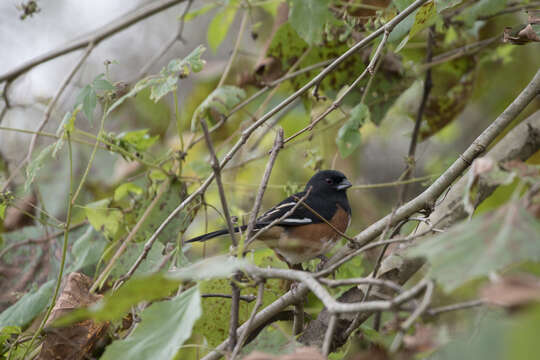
x,y
214,234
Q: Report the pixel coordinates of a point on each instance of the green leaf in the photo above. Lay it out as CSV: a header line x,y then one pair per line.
x,y
173,196
166,81
36,164
488,242
164,327
162,87
3,206
103,218
308,18
221,100
7,333
211,268
132,253
125,189
88,99
425,16
103,84
220,24
139,139
116,304
193,61
87,249
481,8
196,13
446,4
348,137
152,287
28,307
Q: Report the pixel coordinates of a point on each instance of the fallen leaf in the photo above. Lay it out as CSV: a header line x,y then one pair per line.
x,y
513,291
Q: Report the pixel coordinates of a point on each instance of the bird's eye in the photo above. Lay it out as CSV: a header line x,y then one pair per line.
x,y
328,180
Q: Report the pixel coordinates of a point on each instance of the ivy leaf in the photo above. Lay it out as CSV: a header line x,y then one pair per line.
x,y
221,100
474,248
36,164
28,307
348,137
220,24
308,18
164,327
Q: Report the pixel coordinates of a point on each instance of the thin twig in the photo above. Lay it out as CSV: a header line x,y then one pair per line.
x,y
369,69
329,334
358,281
419,310
286,215
166,46
459,306
127,241
246,298
298,318
47,114
459,52
245,333
217,174
235,310
419,116
241,31
95,37
278,144
235,290
37,241
64,251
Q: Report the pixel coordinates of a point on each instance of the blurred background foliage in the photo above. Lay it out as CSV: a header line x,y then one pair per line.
x,y
150,150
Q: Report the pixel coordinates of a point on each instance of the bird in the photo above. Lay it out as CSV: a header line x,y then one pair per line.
x,y
303,235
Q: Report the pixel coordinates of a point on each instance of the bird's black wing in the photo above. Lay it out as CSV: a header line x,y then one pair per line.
x,y
300,216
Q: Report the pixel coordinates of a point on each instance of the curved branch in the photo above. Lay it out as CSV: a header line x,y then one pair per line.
x,y
95,37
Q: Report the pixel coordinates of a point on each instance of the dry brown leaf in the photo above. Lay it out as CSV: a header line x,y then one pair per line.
x,y
303,353
422,340
78,340
513,291
16,217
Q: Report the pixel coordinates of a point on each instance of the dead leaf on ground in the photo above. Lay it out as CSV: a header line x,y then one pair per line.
x,y
78,340
513,291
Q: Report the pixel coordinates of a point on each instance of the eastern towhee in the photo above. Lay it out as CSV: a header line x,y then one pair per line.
x,y
303,235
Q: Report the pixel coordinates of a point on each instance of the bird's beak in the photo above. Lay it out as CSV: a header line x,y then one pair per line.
x,y
344,184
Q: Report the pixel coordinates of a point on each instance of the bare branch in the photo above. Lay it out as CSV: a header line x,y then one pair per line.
x,y
329,335
278,144
95,37
47,114
217,174
420,309
245,333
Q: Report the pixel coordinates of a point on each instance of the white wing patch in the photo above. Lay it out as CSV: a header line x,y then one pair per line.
x,y
297,221
291,204
277,208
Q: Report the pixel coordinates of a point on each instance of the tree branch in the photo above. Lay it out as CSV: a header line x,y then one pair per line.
x,y
94,37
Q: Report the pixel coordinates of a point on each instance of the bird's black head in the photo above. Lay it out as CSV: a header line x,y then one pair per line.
x,y
328,180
